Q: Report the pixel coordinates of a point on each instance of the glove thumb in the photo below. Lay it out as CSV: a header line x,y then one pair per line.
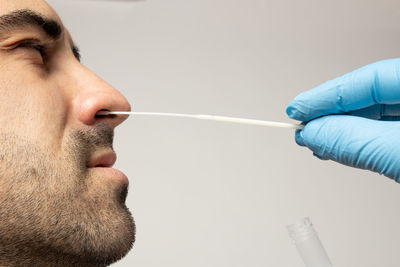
x,y
356,142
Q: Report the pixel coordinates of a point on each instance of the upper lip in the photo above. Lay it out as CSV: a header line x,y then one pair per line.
x,y
103,159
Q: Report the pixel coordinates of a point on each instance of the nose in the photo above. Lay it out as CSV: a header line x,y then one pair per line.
x,y
93,95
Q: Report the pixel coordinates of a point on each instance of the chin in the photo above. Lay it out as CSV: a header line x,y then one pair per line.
x,y
114,243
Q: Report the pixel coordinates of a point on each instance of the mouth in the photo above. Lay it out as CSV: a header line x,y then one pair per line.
x,y
102,162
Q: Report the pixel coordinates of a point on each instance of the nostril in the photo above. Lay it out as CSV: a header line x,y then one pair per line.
x,y
101,114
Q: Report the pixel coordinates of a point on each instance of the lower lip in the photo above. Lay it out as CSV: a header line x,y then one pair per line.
x,y
112,173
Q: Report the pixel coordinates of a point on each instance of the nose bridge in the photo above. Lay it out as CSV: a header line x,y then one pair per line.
x,y
93,94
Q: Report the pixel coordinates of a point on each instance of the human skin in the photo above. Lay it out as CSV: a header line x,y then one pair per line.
x,y
60,202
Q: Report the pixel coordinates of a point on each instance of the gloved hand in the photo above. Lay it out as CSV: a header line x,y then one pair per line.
x,y
354,119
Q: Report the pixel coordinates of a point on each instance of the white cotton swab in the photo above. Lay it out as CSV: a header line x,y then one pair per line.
x,y
208,117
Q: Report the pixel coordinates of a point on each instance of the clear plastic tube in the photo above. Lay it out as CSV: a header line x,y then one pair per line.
x,y
308,244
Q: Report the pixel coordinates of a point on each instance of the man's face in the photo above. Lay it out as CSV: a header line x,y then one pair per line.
x,y
59,200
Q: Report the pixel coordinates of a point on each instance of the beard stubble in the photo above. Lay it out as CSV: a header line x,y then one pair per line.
x,y
54,210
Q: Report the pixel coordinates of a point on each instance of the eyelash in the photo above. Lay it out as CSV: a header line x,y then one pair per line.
x,y
41,48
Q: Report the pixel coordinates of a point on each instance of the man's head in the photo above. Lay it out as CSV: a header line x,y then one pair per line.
x,y
60,204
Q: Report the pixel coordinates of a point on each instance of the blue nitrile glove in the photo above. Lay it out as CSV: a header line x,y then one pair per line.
x,y
354,119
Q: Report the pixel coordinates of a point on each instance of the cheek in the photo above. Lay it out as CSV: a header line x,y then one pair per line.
x,y
33,108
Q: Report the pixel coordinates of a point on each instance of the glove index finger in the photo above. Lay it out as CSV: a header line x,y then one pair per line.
x,y
376,83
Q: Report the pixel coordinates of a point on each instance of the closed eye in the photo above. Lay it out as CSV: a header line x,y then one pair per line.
x,y
35,45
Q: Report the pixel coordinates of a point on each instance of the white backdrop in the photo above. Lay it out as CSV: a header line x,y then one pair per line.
x,y
216,194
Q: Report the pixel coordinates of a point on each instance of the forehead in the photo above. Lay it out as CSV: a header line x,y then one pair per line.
x,y
39,6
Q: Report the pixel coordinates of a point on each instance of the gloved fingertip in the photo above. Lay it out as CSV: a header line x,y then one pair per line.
x,y
297,111
291,111
299,138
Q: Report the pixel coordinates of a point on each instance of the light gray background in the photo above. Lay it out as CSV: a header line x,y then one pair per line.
x,y
216,194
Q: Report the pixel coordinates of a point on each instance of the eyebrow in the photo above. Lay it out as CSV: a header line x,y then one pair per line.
x,y
26,17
